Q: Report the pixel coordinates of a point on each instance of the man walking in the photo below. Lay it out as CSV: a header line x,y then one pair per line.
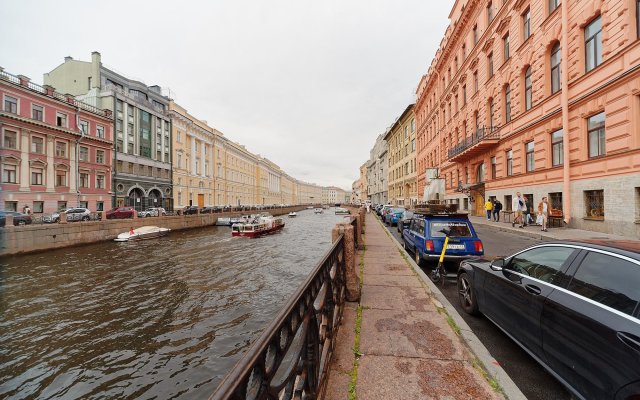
x,y
497,207
518,205
543,211
488,206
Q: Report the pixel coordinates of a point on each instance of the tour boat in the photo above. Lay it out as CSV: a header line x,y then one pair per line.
x,y
318,211
258,226
144,232
228,221
293,214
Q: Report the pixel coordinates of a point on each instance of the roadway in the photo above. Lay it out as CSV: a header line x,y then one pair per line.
x,y
528,375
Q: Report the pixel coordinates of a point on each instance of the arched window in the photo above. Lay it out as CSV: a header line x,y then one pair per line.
x,y
555,68
528,90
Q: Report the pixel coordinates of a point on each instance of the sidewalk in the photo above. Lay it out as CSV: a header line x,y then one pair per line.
x,y
408,344
552,233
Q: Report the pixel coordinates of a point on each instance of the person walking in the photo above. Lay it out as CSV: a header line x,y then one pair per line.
x,y
488,206
543,211
497,207
519,206
26,210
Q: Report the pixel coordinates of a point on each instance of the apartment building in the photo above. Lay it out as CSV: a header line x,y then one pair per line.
x,y
401,139
377,172
541,98
56,150
142,143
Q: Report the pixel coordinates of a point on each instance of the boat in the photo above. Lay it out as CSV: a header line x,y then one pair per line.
x,y
318,210
342,211
258,226
228,221
293,214
144,232
309,207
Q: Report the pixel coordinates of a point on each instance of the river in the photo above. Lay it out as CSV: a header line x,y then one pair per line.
x,y
163,318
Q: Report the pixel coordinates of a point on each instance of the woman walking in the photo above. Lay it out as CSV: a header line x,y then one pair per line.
x,y
543,211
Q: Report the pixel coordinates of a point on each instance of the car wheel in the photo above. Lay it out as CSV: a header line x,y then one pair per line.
x,y
85,218
465,294
417,257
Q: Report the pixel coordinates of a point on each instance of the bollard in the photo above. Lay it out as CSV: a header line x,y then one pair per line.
x,y
63,218
102,215
359,232
8,220
362,213
135,214
350,262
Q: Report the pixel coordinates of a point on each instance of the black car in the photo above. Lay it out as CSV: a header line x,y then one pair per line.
x,y
573,306
190,210
18,218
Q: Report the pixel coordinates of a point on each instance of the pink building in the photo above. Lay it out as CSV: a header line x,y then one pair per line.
x,y
542,98
56,151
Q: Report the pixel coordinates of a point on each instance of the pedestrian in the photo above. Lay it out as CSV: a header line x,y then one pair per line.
x,y
488,206
26,210
368,207
497,207
543,211
518,206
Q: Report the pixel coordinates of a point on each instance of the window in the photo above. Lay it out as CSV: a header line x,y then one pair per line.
x,y
507,202
557,148
530,156
595,128
464,95
608,280
119,145
37,112
36,176
413,129
61,120
505,43
84,180
555,68
100,156
10,140
555,201
84,153
490,63
100,131
61,149
38,207
475,35
494,167
480,173
9,173
509,162
489,13
464,50
62,205
528,90
61,178
475,82
37,145
100,181
526,24
507,103
84,127
594,203
99,205
11,104
593,44
542,263
553,4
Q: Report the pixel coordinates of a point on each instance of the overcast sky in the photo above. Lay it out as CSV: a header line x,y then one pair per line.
x,y
309,85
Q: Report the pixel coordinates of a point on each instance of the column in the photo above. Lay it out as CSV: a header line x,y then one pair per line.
x,y
192,167
204,158
51,168
25,179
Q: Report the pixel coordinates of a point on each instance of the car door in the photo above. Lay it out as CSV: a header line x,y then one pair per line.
x,y
591,330
514,296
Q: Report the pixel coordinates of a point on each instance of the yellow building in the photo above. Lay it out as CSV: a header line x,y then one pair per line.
x,y
239,175
403,188
309,193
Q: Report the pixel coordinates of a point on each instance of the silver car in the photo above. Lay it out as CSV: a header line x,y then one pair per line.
x,y
152,212
73,214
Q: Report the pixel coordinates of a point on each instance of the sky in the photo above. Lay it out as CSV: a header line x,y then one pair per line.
x,y
308,85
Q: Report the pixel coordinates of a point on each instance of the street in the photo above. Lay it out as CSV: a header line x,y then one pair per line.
x,y
531,378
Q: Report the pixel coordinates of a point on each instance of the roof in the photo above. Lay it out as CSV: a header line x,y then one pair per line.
x,y
629,247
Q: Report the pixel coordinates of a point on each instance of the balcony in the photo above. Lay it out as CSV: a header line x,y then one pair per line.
x,y
475,144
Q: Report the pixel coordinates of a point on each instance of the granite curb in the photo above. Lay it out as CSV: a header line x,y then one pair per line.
x,y
490,364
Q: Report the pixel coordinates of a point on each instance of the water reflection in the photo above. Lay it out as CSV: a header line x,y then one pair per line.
x,y
161,318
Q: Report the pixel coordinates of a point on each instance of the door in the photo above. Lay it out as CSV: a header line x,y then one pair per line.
x,y
590,336
200,200
478,198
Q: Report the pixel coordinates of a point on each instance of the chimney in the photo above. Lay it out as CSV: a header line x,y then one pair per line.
x,y
95,69
68,58
24,81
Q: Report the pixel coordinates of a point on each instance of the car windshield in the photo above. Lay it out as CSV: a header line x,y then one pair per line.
x,y
456,228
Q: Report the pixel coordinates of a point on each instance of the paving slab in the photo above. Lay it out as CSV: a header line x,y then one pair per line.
x,y
395,298
391,280
387,269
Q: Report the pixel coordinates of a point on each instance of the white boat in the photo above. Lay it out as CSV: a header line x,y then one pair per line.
x,y
293,214
341,211
144,232
318,211
258,226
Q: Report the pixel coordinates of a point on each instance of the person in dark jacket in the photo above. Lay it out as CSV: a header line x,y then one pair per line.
x,y
497,207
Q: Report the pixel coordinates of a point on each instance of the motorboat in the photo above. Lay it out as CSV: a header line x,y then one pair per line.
x,y
258,226
318,210
143,232
342,211
293,214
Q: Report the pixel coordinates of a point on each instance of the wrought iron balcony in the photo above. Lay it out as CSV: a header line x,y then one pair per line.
x,y
476,143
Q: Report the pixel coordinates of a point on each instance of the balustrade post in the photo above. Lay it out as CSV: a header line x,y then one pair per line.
x,y
350,261
362,213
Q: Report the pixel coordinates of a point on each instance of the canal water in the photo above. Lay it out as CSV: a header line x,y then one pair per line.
x,y
163,318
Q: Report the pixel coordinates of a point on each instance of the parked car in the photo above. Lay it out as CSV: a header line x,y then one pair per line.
x,y
152,212
574,306
120,213
18,218
78,214
394,214
209,210
425,238
404,221
54,217
190,210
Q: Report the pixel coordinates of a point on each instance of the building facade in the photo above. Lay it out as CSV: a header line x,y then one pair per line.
x,y
377,171
142,143
309,193
56,150
401,139
541,98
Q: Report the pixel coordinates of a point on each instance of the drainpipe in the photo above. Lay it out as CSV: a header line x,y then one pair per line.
x,y
78,156
564,98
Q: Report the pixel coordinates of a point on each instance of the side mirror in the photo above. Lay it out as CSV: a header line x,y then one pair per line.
x,y
498,264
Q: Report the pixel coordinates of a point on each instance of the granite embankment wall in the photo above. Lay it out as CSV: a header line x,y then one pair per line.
x,y
31,238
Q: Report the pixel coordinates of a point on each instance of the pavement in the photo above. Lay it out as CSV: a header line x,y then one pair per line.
x,y
412,343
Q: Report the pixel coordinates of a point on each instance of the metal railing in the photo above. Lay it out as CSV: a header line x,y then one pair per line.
x,y
291,357
481,134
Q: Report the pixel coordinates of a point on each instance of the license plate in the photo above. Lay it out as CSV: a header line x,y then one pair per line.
x,y
455,247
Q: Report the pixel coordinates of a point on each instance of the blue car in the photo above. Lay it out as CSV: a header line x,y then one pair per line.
x,y
425,238
393,216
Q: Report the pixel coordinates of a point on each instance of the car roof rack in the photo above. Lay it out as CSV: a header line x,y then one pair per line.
x,y
439,209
